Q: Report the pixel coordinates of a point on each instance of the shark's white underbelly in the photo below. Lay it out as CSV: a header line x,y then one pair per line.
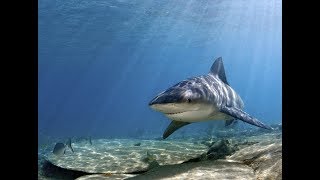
x,y
220,116
199,115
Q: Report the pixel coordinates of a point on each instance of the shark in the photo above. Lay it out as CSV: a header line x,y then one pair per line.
x,y
202,98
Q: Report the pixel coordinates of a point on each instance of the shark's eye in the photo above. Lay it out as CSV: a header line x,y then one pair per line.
x,y
189,100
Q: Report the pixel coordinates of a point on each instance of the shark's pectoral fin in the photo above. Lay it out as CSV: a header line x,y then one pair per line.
x,y
229,122
243,116
173,126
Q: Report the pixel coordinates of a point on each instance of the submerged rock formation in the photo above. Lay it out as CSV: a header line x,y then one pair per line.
x,y
241,157
264,158
220,169
220,149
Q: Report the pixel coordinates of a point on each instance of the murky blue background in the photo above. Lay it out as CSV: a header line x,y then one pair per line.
x,y
102,61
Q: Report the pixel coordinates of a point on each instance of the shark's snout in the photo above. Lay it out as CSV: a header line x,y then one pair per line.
x,y
158,103
167,98
173,103
166,102
154,101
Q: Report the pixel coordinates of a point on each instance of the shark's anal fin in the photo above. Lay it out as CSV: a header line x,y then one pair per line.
x,y
229,122
173,126
243,116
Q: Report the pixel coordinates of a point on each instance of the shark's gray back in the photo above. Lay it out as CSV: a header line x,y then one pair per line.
x,y
226,95
214,90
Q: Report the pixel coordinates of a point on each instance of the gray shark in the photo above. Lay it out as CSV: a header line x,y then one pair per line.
x,y
202,98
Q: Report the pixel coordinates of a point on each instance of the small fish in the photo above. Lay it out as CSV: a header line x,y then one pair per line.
x,y
59,149
137,144
90,140
68,143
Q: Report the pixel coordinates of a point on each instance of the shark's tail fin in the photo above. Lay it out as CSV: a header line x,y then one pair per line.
x,y
68,143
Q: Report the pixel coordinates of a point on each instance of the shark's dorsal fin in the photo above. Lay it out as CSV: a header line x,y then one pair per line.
x,y
218,70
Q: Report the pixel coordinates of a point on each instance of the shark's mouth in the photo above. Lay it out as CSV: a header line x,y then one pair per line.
x,y
175,113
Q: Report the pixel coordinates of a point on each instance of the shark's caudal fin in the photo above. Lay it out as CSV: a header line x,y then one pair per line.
x,y
217,69
173,126
243,116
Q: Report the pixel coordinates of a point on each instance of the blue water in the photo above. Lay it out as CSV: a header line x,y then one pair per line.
x,y
102,61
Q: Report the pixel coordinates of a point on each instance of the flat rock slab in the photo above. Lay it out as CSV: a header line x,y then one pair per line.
x,y
265,158
122,156
220,169
105,176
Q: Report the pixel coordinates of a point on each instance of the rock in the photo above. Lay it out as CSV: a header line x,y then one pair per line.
x,y
265,158
119,156
257,157
137,144
52,172
220,169
105,176
220,149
